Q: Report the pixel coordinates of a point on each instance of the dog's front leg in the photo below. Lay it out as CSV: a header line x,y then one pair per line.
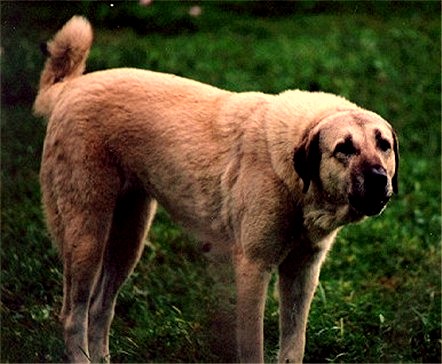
x,y
251,284
298,278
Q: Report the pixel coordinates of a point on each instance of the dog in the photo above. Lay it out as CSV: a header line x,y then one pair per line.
x,y
270,178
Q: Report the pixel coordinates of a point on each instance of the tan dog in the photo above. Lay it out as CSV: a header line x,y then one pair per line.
x,y
272,178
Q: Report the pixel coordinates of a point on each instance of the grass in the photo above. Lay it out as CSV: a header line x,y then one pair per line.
x,y
379,297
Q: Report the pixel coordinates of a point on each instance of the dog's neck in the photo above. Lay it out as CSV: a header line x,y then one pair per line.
x,y
323,216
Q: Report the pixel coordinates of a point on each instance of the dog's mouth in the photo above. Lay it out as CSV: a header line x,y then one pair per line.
x,y
368,205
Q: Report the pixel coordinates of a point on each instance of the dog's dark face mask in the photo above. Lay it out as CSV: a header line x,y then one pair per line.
x,y
350,158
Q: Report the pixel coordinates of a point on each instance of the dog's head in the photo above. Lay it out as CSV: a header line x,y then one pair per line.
x,y
352,158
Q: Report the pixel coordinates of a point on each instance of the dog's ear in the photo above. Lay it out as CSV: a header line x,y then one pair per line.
x,y
306,159
394,180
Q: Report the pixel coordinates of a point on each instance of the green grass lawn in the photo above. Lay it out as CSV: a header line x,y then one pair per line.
x,y
380,294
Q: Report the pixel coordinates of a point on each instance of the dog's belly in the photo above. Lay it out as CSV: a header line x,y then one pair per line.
x,y
195,205
186,182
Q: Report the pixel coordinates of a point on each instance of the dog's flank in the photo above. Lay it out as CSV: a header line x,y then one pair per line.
x,y
268,179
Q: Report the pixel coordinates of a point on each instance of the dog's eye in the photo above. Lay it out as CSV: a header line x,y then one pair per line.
x,y
345,148
384,145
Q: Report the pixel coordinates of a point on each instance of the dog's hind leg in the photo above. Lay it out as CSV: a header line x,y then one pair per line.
x,y
85,237
79,195
132,217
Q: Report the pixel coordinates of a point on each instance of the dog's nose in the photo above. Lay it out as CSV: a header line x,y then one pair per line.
x,y
376,180
372,196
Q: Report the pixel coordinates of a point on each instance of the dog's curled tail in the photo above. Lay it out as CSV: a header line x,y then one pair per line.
x,y
67,53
